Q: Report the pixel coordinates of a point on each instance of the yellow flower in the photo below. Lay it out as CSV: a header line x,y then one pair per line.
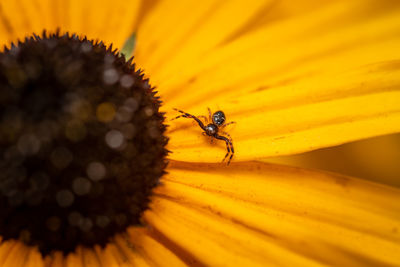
x,y
295,76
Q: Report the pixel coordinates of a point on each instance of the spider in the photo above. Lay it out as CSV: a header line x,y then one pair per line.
x,y
211,127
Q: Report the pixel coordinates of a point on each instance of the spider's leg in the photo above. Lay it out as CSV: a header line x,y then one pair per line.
x,y
203,117
190,116
232,152
209,114
229,136
228,146
229,123
184,114
180,116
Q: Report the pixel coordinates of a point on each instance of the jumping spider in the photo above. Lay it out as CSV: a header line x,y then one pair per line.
x,y
211,127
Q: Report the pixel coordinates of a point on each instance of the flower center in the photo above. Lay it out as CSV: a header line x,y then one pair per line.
x,y
81,142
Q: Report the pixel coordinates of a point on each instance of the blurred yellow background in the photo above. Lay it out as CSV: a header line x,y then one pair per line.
x,y
376,159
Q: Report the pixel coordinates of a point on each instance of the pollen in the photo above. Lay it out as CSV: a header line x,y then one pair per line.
x,y
105,112
81,139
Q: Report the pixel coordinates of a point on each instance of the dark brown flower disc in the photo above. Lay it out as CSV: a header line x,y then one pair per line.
x,y
81,143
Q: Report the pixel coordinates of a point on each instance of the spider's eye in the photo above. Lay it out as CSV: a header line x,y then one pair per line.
x,y
218,118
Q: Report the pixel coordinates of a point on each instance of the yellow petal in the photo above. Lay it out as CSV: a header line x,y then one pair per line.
x,y
34,259
124,257
294,129
154,251
176,32
5,249
373,159
16,256
297,85
74,259
90,258
109,21
303,42
257,214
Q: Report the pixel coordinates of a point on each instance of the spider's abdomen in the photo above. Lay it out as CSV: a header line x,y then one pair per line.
x,y
211,129
218,118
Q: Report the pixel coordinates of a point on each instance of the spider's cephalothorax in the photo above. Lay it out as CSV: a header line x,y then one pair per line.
x,y
211,127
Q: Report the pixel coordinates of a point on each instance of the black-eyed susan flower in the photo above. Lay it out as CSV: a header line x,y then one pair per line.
x,y
83,136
